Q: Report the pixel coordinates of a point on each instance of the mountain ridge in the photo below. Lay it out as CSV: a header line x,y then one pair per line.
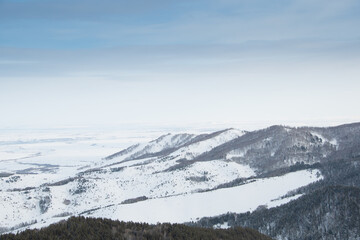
x,y
183,166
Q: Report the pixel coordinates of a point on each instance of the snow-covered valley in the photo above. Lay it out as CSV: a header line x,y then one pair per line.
x,y
191,207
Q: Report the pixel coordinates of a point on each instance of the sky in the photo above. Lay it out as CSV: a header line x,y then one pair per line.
x,y
165,62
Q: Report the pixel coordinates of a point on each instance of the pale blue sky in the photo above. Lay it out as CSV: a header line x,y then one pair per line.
x,y
179,62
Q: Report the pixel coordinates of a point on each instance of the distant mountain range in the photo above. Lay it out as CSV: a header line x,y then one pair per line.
x,y
288,183
264,150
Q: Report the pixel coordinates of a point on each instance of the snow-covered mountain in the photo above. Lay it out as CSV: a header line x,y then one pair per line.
x,y
174,178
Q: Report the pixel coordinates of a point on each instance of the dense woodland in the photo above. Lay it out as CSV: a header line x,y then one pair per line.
x,y
95,229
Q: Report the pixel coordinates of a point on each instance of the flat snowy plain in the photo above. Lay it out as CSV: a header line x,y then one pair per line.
x,y
64,150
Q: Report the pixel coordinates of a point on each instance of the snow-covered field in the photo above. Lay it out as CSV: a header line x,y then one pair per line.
x,y
190,207
54,154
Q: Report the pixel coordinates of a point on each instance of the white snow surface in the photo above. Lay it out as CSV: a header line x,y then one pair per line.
x,y
225,225
162,143
195,149
332,141
189,207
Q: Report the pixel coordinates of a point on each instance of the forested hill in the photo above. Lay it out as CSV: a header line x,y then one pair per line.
x,y
92,229
330,213
328,209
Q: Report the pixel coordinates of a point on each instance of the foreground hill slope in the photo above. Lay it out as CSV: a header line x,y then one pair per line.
x,y
328,209
330,213
89,228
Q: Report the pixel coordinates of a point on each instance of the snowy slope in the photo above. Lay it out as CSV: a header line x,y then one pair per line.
x,y
190,207
195,149
165,142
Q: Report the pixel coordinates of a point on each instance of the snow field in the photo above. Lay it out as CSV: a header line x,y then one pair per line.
x,y
190,207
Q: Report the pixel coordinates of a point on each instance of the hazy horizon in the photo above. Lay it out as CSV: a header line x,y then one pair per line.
x,y
167,63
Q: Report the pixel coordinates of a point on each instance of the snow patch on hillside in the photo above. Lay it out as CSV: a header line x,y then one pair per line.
x,y
162,143
197,148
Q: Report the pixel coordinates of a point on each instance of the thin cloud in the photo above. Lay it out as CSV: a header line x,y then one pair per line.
x,y
94,24
16,62
75,9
